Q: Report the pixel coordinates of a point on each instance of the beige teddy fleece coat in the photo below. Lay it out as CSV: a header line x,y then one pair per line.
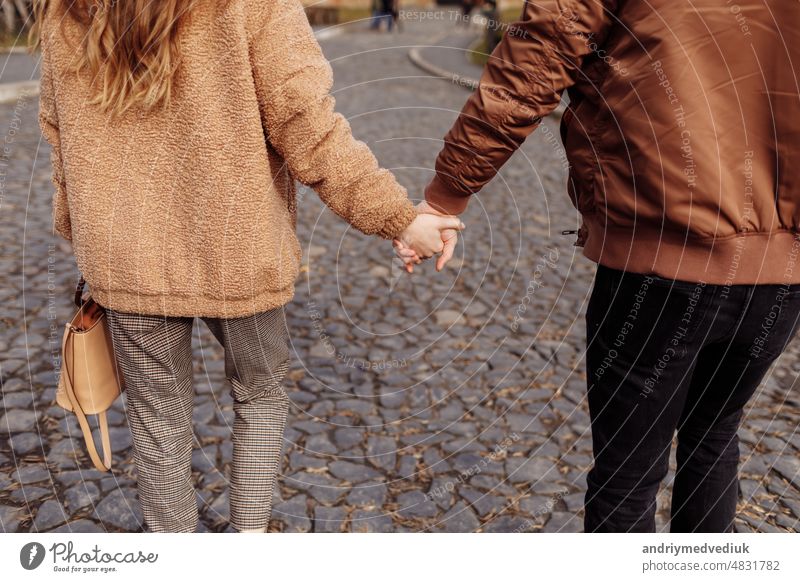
x,y
191,211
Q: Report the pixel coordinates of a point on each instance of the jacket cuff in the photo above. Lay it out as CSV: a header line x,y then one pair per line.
x,y
443,199
399,221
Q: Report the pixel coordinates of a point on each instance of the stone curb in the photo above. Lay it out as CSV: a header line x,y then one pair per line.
x,y
10,92
330,31
13,50
415,56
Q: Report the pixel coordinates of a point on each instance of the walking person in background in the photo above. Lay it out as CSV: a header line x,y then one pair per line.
x,y
396,15
682,139
466,11
377,14
390,12
494,30
175,211
382,11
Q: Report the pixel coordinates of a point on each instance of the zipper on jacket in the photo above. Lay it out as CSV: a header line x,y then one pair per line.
x,y
581,232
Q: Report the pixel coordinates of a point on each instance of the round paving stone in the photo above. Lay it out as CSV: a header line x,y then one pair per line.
x,y
49,514
31,474
19,420
26,442
353,472
460,519
30,493
10,517
416,504
292,513
81,495
329,519
368,494
120,509
371,521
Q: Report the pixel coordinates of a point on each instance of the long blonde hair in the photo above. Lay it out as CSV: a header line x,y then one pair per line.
x,y
130,47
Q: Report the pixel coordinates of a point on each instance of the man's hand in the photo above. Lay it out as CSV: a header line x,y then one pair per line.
x,y
425,237
449,238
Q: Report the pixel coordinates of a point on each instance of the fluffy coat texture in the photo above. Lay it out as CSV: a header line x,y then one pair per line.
x,y
191,210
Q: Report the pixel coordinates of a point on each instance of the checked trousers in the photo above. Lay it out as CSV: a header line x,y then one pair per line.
x,y
155,357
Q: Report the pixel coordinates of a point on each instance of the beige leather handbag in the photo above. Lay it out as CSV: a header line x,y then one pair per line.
x,y
90,380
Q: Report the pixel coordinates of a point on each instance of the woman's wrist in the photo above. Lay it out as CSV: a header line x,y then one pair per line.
x,y
399,221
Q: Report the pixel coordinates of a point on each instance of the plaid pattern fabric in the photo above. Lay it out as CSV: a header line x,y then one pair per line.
x,y
155,358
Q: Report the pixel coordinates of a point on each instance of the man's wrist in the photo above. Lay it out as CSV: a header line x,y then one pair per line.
x,y
440,197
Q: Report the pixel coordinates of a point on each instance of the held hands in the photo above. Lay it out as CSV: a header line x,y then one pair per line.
x,y
431,232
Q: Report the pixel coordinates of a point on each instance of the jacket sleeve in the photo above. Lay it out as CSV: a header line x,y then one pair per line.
x,y
293,82
48,123
538,58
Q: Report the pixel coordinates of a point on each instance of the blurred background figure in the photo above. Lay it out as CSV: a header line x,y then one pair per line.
x,y
396,15
466,10
494,34
383,10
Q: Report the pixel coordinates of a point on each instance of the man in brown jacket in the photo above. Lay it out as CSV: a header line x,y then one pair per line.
x,y
683,133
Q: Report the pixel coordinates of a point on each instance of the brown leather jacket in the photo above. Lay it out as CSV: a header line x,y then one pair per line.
x,y
682,133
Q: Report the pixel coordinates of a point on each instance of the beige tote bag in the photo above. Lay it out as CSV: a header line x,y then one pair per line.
x,y
90,380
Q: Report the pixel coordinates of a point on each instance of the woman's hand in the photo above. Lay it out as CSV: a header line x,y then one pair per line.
x,y
426,236
449,237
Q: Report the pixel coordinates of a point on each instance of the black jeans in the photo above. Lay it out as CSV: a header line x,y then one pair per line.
x,y
666,356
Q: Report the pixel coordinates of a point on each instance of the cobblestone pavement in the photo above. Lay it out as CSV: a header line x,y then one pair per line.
x,y
451,401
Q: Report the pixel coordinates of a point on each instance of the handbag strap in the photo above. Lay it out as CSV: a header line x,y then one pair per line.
x,y
105,464
79,292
